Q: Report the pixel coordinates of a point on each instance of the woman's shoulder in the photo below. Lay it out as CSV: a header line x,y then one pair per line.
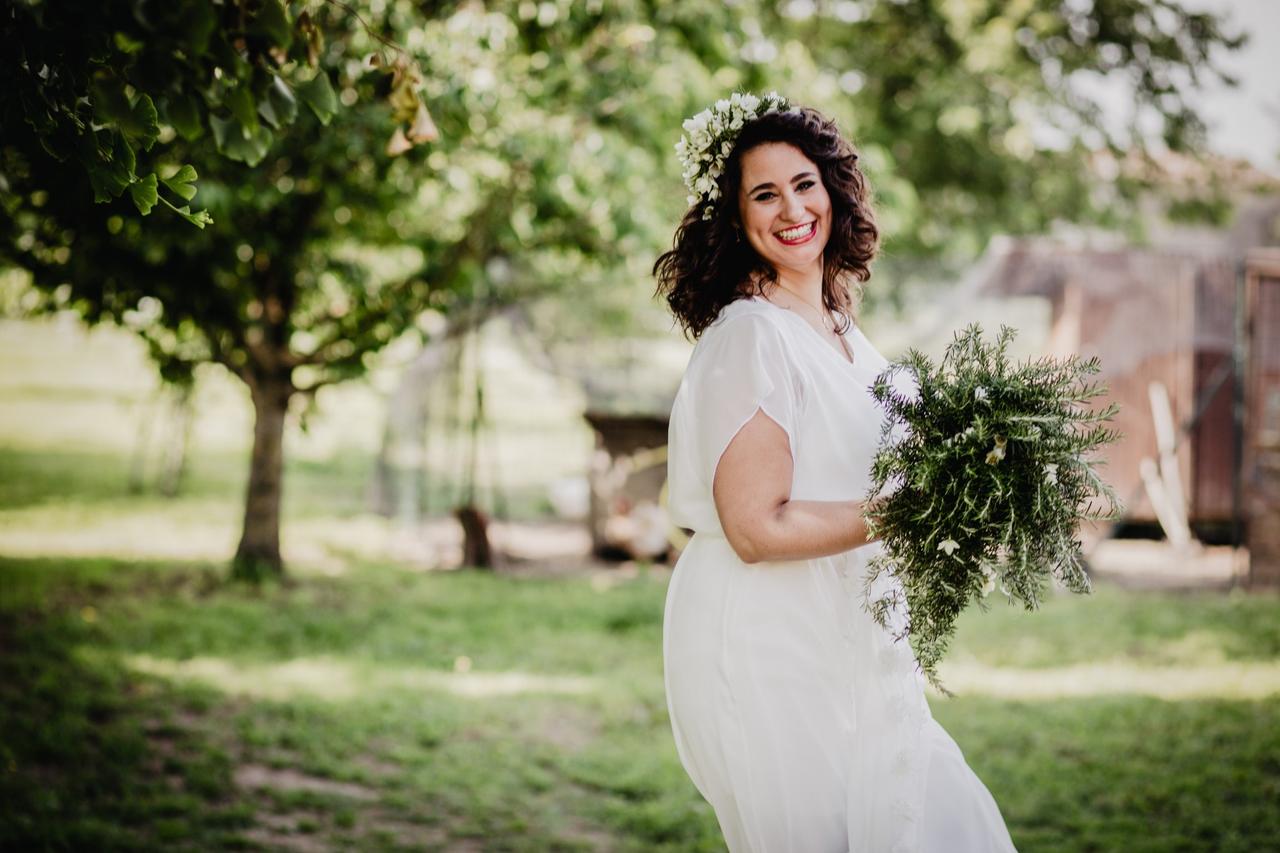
x,y
746,331
731,315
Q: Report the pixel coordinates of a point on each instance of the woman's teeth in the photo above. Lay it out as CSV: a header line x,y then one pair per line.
x,y
798,232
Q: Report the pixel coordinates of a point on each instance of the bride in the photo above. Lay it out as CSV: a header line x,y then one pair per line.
x,y
799,720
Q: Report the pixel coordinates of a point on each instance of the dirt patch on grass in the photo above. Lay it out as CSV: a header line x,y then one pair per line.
x,y
378,827
281,840
377,767
567,728
259,776
591,836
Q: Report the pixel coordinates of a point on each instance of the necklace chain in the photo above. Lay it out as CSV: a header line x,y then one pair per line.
x,y
823,315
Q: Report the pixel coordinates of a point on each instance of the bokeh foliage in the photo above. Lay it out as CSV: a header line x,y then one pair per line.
x,y
553,174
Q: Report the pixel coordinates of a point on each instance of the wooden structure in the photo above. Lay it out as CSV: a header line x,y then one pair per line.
x,y
1200,316
627,472
1261,397
1149,316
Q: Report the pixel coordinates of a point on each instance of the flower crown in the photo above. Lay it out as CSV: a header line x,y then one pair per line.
x,y
710,137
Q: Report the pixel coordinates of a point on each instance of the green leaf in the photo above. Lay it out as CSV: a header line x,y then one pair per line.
x,y
144,124
317,93
280,102
222,129
273,22
236,142
104,185
126,43
183,112
240,101
268,114
123,161
110,103
199,219
144,193
199,22
182,182
109,171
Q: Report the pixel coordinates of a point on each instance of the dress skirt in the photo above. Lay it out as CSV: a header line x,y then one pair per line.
x,y
800,720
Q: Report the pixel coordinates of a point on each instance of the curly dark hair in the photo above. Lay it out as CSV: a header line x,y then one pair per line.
x,y
707,267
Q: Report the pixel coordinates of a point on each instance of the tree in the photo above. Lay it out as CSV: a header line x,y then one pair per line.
x,y
331,245
100,84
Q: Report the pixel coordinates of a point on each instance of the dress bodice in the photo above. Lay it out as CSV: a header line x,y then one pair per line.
x,y
760,355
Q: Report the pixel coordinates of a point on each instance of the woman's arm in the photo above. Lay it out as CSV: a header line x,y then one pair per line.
x,y
752,493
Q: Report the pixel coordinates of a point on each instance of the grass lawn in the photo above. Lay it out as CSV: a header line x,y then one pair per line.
x,y
370,705
150,705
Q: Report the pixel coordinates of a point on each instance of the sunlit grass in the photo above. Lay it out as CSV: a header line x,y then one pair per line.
x,y
1224,680
1149,630
337,680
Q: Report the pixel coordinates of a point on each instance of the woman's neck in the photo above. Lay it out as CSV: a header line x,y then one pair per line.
x,y
807,286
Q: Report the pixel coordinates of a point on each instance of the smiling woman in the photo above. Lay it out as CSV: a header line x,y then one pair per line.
x,y
795,715
786,170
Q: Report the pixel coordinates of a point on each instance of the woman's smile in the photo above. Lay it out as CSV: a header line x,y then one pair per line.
x,y
798,234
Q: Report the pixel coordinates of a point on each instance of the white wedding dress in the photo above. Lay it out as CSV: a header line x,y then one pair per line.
x,y
798,718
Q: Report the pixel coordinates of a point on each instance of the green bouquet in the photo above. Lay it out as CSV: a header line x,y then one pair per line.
x,y
980,479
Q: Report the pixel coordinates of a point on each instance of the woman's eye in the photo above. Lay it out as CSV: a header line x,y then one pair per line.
x,y
803,185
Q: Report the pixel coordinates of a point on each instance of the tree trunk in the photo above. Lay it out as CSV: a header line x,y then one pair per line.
x,y
477,552
258,556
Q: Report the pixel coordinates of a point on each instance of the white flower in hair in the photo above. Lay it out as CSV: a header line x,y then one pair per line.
x,y
710,137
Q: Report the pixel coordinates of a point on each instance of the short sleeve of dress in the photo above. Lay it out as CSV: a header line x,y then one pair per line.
x,y
740,366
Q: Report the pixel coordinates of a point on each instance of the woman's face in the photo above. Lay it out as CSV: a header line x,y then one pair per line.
x,y
785,208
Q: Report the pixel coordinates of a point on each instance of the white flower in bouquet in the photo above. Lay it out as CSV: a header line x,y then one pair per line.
x,y
989,583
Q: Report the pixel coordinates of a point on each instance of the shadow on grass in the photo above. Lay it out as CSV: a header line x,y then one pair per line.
x,y
101,754
92,757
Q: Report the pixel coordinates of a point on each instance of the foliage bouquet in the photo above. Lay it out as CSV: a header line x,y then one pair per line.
x,y
986,484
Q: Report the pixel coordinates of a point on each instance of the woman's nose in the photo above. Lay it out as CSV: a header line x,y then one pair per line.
x,y
792,207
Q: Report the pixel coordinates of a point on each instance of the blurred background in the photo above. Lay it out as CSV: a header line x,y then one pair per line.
x,y
334,395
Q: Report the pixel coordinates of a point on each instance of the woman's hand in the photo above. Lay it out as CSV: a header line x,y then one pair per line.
x,y
752,493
